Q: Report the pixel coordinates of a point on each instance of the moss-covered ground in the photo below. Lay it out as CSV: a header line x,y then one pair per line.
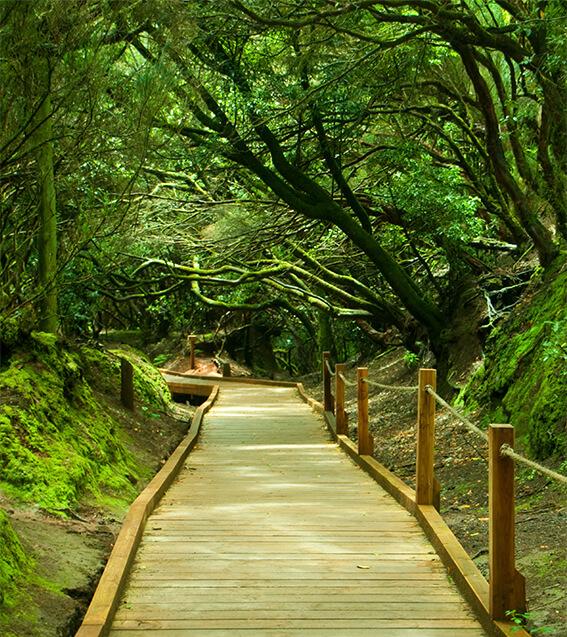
x,y
14,563
56,443
523,379
70,458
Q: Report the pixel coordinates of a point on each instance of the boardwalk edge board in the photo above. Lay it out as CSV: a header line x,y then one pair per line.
x,y
246,380
457,561
102,608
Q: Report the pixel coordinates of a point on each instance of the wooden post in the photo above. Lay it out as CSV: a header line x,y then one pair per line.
x,y
226,369
126,384
424,478
327,396
340,414
192,340
365,440
506,585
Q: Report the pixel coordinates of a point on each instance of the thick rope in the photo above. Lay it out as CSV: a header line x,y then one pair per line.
x,y
506,450
351,384
397,387
329,368
346,381
468,424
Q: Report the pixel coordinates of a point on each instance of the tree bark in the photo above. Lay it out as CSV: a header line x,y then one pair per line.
x,y
47,238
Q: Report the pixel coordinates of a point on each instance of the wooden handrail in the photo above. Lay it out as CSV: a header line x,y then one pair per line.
x,y
425,455
506,586
365,440
340,413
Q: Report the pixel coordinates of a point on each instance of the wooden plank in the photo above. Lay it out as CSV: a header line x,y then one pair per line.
x,y
328,565
330,624
471,582
392,611
308,632
106,597
246,382
160,545
237,598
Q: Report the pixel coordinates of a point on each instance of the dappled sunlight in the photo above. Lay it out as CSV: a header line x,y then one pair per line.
x,y
241,410
265,447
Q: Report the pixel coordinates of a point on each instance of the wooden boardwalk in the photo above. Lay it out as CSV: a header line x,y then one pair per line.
x,y
271,530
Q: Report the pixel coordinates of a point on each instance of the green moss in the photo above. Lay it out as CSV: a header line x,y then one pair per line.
x,y
523,380
57,442
104,372
149,386
14,563
46,339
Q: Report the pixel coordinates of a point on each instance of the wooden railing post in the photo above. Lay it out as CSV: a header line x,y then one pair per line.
x,y
424,478
327,395
506,585
126,384
340,414
192,340
365,440
226,369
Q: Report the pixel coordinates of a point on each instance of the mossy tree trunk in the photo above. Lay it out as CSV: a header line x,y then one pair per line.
x,y
325,335
47,237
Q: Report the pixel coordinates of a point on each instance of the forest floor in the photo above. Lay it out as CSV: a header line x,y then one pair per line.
x,y
462,469
69,552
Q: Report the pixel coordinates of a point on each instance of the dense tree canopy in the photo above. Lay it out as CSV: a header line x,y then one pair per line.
x,y
191,161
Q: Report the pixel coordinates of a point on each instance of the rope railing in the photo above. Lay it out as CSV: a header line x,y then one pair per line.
x,y
346,381
501,456
506,450
407,388
468,424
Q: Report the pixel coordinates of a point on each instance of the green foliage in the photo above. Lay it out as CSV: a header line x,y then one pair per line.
x,y
434,199
521,619
14,563
160,359
411,360
149,386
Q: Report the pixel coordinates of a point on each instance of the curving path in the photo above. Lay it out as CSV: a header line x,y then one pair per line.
x,y
271,530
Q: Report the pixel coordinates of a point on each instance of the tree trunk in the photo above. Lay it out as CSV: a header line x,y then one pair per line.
x,y
47,238
540,235
325,335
